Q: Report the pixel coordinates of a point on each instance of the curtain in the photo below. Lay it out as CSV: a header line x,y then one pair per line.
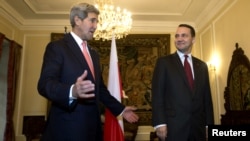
x,y
10,55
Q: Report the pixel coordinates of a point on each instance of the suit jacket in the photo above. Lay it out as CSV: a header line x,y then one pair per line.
x,y
186,112
63,62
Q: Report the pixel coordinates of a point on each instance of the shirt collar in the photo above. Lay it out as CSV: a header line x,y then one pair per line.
x,y
77,39
181,55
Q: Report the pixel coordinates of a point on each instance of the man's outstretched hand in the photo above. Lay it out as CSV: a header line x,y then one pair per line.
x,y
129,114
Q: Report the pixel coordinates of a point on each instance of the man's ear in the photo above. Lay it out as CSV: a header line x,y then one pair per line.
x,y
193,41
77,20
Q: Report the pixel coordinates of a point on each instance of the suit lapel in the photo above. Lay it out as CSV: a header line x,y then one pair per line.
x,y
73,46
197,72
94,60
181,70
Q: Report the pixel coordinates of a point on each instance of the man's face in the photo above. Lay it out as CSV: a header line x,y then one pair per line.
x,y
87,26
184,40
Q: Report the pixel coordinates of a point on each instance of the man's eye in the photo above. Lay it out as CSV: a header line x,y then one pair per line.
x,y
93,20
184,35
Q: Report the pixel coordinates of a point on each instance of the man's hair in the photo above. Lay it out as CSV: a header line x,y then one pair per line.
x,y
81,10
190,27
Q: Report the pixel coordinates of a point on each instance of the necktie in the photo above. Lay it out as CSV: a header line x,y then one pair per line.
x,y
87,57
188,72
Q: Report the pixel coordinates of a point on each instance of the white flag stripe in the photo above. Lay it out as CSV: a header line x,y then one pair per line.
x,y
114,79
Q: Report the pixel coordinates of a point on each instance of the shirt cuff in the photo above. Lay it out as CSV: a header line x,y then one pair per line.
x,y
157,126
71,97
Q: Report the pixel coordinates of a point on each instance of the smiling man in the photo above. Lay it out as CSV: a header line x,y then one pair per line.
x,y
181,97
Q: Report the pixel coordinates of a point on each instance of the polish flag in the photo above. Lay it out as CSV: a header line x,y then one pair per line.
x,y
113,126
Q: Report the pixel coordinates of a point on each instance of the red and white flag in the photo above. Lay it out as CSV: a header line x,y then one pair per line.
x,y
113,127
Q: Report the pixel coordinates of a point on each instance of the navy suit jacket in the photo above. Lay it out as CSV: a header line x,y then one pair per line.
x,y
63,62
186,112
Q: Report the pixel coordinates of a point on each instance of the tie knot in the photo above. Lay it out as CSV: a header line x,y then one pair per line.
x,y
84,43
186,56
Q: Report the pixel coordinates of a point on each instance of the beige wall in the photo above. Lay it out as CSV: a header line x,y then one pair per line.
x,y
217,38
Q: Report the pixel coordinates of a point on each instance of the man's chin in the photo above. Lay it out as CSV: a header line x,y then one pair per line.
x,y
90,37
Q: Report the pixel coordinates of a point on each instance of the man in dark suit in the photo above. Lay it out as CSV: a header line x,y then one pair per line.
x,y
73,88
181,112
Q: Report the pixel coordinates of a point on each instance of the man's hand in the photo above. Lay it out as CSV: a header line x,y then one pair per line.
x,y
161,132
83,88
129,115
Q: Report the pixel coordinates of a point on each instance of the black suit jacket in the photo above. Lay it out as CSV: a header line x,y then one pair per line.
x,y
186,112
63,62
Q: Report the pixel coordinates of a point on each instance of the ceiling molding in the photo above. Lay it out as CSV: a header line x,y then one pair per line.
x,y
10,14
37,11
209,13
144,20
